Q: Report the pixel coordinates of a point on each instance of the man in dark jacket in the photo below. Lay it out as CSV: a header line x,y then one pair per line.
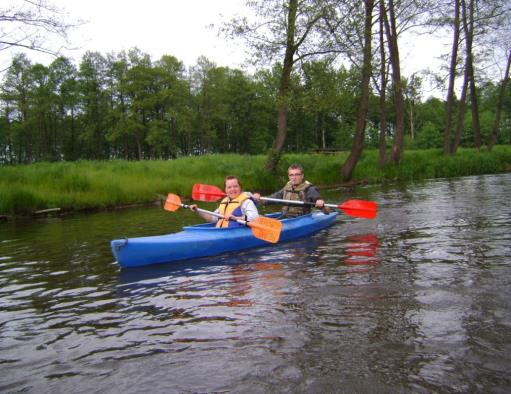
x,y
297,189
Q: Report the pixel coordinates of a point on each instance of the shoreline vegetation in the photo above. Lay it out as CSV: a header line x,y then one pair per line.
x,y
64,187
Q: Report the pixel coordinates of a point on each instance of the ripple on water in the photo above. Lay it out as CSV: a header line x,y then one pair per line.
x,y
414,301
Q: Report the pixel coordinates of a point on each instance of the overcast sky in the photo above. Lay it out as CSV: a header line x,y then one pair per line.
x,y
181,28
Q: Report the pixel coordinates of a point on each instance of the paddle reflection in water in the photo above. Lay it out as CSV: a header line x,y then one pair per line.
x,y
429,312
361,250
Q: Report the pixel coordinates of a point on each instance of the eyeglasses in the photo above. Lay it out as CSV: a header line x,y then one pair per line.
x,y
295,174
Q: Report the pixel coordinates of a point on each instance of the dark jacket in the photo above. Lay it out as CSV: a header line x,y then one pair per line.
x,y
308,193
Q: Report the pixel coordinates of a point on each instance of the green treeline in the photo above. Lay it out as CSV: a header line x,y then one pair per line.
x,y
128,106
104,184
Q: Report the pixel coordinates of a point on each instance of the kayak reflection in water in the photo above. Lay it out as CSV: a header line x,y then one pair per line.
x,y
237,205
297,189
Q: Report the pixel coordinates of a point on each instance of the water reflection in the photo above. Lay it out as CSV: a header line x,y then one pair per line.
x,y
361,250
415,301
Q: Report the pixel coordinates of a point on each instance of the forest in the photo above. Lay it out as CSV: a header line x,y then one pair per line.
x,y
329,79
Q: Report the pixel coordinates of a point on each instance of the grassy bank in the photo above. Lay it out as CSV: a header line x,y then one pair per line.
x,y
98,185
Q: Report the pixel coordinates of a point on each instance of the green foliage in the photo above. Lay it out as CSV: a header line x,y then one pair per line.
x,y
18,200
127,106
104,184
429,136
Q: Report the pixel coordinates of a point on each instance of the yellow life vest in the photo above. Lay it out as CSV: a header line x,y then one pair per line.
x,y
228,206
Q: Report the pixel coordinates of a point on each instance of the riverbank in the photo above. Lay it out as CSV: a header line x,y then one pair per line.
x,y
93,185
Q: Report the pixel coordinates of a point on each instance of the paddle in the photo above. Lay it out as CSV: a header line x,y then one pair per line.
x,y
357,208
264,228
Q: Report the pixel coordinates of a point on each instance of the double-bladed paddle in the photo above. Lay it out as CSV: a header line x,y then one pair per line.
x,y
357,208
264,228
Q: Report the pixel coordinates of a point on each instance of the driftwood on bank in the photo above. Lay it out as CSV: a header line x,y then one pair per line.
x,y
47,211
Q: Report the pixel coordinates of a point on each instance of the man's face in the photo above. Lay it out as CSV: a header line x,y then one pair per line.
x,y
295,176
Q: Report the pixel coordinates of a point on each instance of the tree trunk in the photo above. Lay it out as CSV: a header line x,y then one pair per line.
x,y
498,115
73,147
468,22
476,125
452,76
283,94
139,149
461,114
383,95
323,132
391,30
358,144
412,130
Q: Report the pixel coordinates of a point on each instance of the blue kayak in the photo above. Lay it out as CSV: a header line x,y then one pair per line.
x,y
203,240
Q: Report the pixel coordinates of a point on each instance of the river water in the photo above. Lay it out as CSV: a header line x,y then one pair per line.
x,y
418,300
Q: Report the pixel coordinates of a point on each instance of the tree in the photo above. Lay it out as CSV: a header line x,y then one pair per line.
x,y
349,165
285,30
500,103
241,102
452,76
430,115
382,144
391,30
411,91
117,130
16,91
41,110
93,106
173,105
322,102
65,100
468,19
473,21
206,80
500,41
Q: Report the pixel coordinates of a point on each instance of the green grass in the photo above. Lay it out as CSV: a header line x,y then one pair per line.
x,y
103,184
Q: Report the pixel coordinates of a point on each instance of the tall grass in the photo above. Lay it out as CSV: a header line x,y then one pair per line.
x,y
103,184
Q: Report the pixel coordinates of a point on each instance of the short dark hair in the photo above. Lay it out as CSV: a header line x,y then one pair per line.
x,y
229,177
296,167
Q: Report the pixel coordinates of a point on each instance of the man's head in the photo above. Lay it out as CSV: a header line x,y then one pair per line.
x,y
295,174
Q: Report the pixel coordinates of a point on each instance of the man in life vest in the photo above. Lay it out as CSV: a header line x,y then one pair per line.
x,y
297,189
237,205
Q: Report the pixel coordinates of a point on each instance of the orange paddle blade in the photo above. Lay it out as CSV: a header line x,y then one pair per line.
x,y
267,229
359,208
202,192
172,203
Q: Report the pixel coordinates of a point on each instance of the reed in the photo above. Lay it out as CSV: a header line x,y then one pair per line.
x,y
105,184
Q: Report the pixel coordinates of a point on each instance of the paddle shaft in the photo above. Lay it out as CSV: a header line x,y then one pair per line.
x,y
357,208
297,202
240,221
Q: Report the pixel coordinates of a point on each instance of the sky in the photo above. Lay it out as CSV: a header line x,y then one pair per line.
x,y
181,28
